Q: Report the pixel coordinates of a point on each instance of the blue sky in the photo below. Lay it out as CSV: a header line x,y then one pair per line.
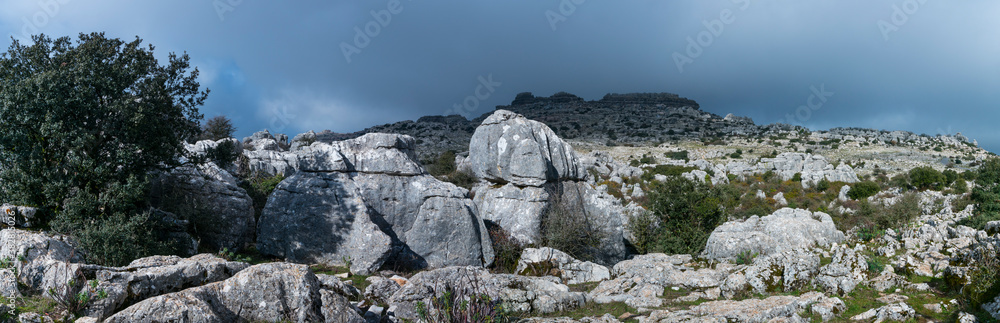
x,y
927,66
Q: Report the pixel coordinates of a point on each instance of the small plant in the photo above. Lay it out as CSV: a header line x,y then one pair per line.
x,y
506,249
746,257
232,256
875,266
463,305
863,190
869,233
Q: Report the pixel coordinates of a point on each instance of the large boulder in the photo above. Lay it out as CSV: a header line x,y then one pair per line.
x,y
19,216
784,230
322,218
548,261
263,293
771,309
509,148
366,201
208,197
640,281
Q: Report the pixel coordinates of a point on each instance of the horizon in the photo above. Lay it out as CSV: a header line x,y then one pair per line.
x,y
913,65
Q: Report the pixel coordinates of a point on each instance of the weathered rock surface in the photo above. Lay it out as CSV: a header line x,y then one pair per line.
x,y
548,261
751,310
367,201
42,261
18,216
847,269
519,293
509,148
322,218
221,213
812,168
784,230
154,276
783,272
640,281
897,312
268,292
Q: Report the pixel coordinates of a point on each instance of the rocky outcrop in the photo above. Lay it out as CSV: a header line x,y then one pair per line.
x,y
509,148
517,293
531,173
898,312
153,276
812,168
781,272
548,261
367,201
784,230
19,216
268,292
209,199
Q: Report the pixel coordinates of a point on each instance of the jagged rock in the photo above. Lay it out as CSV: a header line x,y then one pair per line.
x,y
264,140
154,276
548,261
785,229
508,148
751,310
887,281
519,293
267,292
208,197
780,199
847,269
43,262
38,318
812,168
367,201
607,318
18,216
787,271
8,284
992,227
338,286
303,140
897,312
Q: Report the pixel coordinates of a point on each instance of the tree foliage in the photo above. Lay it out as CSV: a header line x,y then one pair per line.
x,y
682,214
216,128
85,123
924,178
986,195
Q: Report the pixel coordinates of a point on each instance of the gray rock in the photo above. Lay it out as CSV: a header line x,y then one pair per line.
x,y
267,292
897,312
640,281
322,218
153,276
221,212
993,308
366,201
37,318
784,230
966,318
43,262
847,269
518,210
784,272
338,286
780,308
843,193
271,162
508,148
518,293
548,261
381,289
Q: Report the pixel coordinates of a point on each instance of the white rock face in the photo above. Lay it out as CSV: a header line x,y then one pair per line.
x,y
546,261
509,148
787,229
897,312
813,168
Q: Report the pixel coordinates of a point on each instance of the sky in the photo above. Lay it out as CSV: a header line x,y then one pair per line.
x,y
927,66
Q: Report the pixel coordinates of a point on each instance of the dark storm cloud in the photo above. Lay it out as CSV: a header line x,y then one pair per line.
x,y
930,66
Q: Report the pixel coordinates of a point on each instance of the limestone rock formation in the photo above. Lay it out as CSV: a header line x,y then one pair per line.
x,y
784,230
508,148
548,261
366,201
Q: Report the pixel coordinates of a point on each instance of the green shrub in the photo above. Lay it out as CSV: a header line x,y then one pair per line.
x,y
960,186
986,195
797,177
984,282
681,216
667,170
925,178
823,185
902,181
507,250
457,305
260,186
681,155
86,157
863,190
461,178
746,257
224,154
218,127
875,266
443,165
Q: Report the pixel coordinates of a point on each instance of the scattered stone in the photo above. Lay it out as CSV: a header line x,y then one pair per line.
x,y
897,312
547,261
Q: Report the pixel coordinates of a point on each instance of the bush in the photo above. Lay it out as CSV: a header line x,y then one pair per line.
x,y
797,177
823,185
86,157
259,186
666,170
924,178
507,250
462,306
984,282
461,178
224,154
681,155
566,228
681,216
863,190
986,195
443,165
